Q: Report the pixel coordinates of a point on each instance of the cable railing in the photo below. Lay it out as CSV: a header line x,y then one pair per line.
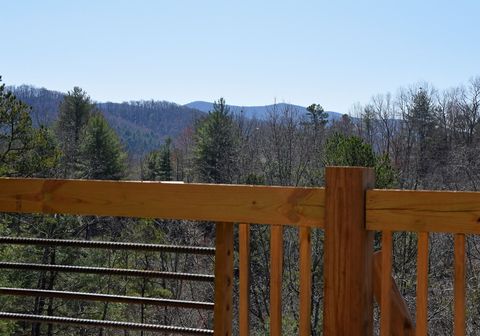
x,y
223,204
81,296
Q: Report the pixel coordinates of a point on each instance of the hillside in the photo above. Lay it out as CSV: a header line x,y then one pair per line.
x,y
259,112
141,125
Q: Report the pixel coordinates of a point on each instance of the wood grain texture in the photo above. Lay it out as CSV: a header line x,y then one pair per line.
x,y
459,286
244,266
348,298
305,281
386,284
276,275
225,203
223,309
428,211
422,285
401,322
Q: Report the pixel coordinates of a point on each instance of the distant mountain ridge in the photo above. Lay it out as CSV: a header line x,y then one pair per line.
x,y
141,125
259,112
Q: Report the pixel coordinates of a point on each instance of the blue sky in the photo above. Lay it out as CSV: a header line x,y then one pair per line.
x,y
334,53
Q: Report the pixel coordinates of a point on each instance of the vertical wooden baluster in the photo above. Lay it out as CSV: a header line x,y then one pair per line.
x,y
244,264
459,285
422,284
386,281
276,270
305,280
222,318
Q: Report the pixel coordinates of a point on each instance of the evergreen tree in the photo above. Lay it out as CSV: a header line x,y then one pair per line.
x,y
74,113
317,115
16,131
216,146
24,150
421,117
101,153
341,150
157,165
43,157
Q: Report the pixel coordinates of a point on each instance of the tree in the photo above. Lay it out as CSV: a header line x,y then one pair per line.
x,y
317,115
42,159
74,113
157,165
16,131
24,150
100,150
421,142
215,146
341,150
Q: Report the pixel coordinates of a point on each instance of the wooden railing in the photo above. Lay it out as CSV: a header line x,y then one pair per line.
x,y
423,212
348,209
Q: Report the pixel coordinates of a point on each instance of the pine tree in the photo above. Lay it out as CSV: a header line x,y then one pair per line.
x,y
216,146
341,150
157,165
101,153
43,157
24,150
16,131
318,116
166,171
74,113
421,117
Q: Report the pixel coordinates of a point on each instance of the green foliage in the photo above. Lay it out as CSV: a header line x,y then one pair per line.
x,y
341,150
317,115
255,179
74,113
157,165
385,173
24,150
16,132
216,145
43,158
101,153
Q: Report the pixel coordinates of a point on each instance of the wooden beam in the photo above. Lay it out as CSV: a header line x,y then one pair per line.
x,y
223,203
427,211
348,297
223,309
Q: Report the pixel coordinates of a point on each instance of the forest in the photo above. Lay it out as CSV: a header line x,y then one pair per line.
x,y
418,138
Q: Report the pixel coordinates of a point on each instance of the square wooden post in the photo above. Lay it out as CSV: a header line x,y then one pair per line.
x,y
348,294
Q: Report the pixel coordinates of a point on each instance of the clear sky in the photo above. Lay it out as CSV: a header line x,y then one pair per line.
x,y
251,52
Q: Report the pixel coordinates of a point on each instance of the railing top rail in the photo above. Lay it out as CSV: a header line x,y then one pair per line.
x,y
204,202
394,210
423,211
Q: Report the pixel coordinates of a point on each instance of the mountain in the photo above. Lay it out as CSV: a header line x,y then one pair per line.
x,y
141,125
259,112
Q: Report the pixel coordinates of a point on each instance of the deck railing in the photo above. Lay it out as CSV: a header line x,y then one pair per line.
x,y
348,209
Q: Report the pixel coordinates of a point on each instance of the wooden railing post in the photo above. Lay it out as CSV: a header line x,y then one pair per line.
x,y
223,310
348,298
